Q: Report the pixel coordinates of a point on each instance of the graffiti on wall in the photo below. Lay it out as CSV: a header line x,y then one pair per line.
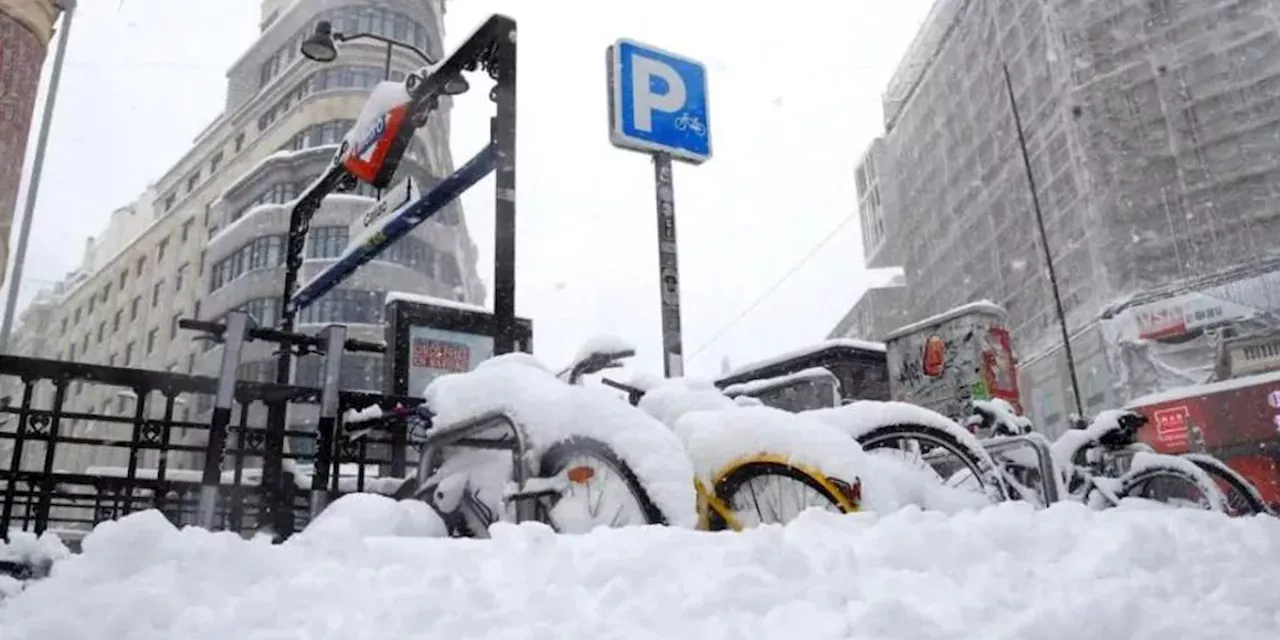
x,y
946,365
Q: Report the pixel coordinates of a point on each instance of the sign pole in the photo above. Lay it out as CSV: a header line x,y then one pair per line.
x,y
668,267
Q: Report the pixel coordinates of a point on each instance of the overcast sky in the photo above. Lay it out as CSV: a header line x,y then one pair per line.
x,y
795,94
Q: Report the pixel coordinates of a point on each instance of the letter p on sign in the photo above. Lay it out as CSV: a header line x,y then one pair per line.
x,y
658,102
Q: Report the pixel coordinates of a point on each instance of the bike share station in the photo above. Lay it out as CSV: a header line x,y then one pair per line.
x,y
424,337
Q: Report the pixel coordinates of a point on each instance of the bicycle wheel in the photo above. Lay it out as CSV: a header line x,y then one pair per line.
x,y
771,490
941,450
602,490
1172,486
1243,498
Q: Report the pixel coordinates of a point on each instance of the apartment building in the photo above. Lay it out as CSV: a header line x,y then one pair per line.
x,y
1153,137
208,236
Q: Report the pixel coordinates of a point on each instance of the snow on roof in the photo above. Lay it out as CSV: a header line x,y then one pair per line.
x,y
1200,390
763,384
981,306
817,347
419,298
282,155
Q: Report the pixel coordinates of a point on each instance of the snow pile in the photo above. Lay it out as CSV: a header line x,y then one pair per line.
x,y
551,411
27,556
356,516
1006,572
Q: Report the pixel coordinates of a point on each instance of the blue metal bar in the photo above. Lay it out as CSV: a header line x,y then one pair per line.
x,y
397,225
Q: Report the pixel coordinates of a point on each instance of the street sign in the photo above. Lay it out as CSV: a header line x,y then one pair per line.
x,y
393,226
658,102
396,197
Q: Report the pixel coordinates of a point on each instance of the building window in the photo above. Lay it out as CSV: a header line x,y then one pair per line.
x,y
193,181
124,278
168,202
214,162
191,362
180,276
151,340
115,321
102,331
186,230
111,360
156,290
128,354
345,306
239,144
142,264
260,253
63,331
106,292
173,326
93,301
160,249
321,134
326,242
133,308
71,353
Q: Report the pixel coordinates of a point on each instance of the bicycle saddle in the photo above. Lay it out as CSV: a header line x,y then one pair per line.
x,y
1119,428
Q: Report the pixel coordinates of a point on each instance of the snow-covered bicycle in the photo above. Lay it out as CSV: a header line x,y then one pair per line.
x,y
1102,463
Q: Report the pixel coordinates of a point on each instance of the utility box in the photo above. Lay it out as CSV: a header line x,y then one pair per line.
x,y
944,362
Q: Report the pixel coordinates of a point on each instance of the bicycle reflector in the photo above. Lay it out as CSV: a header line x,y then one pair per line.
x,y
581,475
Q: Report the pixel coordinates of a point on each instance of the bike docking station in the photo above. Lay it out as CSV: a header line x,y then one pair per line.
x,y
658,105
371,153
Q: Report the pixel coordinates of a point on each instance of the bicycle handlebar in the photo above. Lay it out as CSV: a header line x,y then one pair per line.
x,y
217,329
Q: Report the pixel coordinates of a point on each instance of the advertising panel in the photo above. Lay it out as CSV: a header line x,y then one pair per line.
x,y
946,361
435,352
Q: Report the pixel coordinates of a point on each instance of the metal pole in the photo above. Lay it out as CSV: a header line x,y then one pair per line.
x,y
37,170
668,267
1044,242
335,338
211,480
503,138
386,68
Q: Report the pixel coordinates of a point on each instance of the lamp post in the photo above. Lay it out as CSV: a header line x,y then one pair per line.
x,y
68,8
322,46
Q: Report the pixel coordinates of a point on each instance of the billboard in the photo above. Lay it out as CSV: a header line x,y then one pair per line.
x,y
1232,413
429,337
435,352
945,361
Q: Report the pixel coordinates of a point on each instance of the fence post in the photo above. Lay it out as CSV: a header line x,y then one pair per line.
x,y
237,327
335,339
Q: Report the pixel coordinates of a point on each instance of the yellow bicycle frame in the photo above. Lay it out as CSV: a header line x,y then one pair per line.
x,y
708,501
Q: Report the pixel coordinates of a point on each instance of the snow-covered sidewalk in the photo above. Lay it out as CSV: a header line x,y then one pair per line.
x,y
1004,572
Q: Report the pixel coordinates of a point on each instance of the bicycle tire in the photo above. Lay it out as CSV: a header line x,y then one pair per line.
x,y
977,460
558,456
1238,484
1133,480
733,480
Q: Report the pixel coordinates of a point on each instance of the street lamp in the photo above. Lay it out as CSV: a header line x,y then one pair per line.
x,y
322,46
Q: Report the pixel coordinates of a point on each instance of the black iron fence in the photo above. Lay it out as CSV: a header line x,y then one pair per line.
x,y
83,443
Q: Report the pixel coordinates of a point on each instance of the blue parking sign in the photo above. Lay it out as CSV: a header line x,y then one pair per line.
x,y
658,102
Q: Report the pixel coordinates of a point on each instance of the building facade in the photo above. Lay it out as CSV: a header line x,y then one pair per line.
x,y
26,26
208,237
1153,138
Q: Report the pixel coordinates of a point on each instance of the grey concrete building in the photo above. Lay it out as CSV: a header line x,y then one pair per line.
x,y
1154,142
207,237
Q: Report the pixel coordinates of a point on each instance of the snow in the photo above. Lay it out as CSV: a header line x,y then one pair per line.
x,y
1005,416
753,387
415,298
35,554
385,96
551,411
603,344
353,517
353,417
818,347
981,306
1006,572
861,416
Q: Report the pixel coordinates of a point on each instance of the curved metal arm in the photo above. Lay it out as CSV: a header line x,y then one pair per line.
x,y
342,37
